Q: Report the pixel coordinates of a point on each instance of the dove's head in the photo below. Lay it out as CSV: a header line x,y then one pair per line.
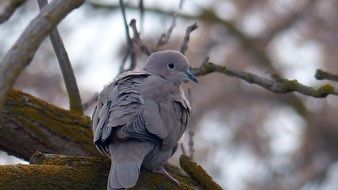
x,y
171,65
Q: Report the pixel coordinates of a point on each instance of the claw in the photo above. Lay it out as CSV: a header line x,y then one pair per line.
x,y
161,170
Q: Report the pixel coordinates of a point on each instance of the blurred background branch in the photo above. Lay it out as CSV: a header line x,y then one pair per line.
x,y
137,40
8,7
184,46
131,51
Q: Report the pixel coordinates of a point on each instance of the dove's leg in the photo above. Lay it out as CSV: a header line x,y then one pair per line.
x,y
161,170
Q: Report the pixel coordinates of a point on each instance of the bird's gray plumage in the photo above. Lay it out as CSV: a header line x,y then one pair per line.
x,y
140,117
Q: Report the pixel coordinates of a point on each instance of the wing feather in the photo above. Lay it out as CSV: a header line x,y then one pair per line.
x,y
118,104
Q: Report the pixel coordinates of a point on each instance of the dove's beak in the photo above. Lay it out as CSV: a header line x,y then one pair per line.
x,y
191,76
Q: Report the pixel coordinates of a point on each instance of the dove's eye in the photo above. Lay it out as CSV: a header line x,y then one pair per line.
x,y
171,66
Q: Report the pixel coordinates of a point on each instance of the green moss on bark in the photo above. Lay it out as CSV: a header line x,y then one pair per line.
x,y
324,90
198,174
54,172
48,125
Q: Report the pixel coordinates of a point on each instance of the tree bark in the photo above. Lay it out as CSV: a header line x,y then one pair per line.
x,y
28,124
50,171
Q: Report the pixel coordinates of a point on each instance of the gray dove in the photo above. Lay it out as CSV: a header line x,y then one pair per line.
x,y
140,117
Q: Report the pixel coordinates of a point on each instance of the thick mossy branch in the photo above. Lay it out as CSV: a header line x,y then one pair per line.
x,y
197,173
28,124
276,84
50,171
48,176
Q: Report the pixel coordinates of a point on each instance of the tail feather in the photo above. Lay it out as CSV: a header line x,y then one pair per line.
x,y
126,160
123,175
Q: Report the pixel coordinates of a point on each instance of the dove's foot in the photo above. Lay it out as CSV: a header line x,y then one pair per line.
x,y
161,170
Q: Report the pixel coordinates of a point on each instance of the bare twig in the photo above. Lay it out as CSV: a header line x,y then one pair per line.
x,y
164,38
66,68
276,84
131,52
184,45
22,52
8,7
191,132
321,75
141,6
137,38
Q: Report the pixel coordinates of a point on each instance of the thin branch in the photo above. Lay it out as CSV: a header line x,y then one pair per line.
x,y
131,52
141,6
112,6
321,75
276,84
8,8
66,68
184,45
164,38
191,132
137,40
22,52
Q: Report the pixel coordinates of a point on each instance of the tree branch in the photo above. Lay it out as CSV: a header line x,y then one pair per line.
x,y
22,52
197,173
185,43
130,43
8,8
276,84
141,8
28,124
66,68
164,38
137,40
50,171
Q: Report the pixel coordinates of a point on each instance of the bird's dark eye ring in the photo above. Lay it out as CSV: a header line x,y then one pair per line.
x,y
171,66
